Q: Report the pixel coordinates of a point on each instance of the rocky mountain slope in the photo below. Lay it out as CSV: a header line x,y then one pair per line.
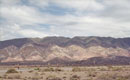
x,y
63,50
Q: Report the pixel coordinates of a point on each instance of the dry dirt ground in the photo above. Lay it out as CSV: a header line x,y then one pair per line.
x,y
65,73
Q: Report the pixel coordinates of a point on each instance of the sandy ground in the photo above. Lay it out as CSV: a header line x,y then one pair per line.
x,y
66,73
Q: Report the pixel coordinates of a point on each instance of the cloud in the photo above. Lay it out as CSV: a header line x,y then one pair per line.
x,y
9,2
32,33
39,3
14,30
36,18
80,5
23,15
118,9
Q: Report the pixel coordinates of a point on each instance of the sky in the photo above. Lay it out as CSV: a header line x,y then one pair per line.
x,y
69,18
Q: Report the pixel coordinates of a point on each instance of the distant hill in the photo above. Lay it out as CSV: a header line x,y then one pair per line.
x,y
66,51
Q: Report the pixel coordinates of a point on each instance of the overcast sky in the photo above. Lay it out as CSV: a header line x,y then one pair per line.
x,y
40,18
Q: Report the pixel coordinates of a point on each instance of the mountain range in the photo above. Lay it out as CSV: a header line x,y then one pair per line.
x,y
79,50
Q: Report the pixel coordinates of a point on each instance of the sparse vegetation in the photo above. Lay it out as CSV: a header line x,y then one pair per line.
x,y
49,69
37,69
12,71
75,77
68,73
76,69
58,69
51,77
52,69
113,77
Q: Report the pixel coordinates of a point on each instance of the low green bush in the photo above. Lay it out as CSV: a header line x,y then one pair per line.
x,y
12,71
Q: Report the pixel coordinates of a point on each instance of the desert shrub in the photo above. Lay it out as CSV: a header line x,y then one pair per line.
x,y
58,69
53,78
64,77
30,71
103,69
37,69
92,74
90,69
76,69
117,69
52,69
12,71
49,69
112,68
75,77
113,77
36,78
109,66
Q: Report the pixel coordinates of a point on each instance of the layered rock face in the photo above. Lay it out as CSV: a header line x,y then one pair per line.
x,y
77,50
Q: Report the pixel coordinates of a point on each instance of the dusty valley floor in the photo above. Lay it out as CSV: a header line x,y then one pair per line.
x,y
65,73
